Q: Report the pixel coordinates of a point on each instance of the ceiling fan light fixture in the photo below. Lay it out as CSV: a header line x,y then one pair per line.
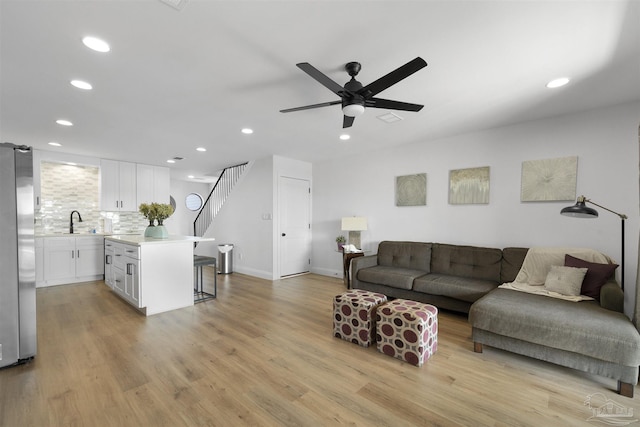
x,y
353,110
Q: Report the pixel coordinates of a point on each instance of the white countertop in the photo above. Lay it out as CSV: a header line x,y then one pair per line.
x,y
139,239
72,235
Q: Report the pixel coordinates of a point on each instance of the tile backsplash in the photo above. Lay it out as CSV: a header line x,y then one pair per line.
x,y
64,188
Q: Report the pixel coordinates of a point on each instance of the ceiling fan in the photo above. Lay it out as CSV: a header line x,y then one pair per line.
x,y
354,97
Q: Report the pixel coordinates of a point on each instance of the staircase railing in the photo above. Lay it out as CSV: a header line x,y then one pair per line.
x,y
218,195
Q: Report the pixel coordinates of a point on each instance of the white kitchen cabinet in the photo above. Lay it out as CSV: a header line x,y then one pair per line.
x,y
132,280
72,259
126,272
152,184
89,256
109,255
118,186
59,259
154,275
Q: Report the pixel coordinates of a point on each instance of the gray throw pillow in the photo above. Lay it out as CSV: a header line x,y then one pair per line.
x,y
565,280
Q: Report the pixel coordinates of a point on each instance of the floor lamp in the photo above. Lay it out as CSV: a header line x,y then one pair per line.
x,y
581,210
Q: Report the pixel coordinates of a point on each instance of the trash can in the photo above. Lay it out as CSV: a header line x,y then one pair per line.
x,y
225,258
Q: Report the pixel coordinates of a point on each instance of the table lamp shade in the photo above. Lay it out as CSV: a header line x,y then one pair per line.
x,y
354,223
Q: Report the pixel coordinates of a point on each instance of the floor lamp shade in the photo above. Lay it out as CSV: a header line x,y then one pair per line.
x,y
581,210
354,225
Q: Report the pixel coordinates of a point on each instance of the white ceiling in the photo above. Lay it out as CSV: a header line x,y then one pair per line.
x,y
180,79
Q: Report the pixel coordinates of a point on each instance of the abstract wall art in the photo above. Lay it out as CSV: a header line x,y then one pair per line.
x,y
549,179
411,190
469,186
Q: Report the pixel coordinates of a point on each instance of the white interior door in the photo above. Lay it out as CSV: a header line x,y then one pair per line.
x,y
295,225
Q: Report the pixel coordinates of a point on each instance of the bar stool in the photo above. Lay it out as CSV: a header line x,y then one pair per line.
x,y
199,294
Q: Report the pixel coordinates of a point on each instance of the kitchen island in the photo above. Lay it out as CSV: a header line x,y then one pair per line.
x,y
153,275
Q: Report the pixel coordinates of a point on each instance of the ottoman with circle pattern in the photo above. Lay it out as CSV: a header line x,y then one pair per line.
x,y
354,316
407,330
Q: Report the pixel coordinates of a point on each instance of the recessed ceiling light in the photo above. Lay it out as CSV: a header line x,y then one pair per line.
x,y
171,161
247,131
201,149
344,136
55,144
64,122
81,84
72,164
96,44
190,176
557,82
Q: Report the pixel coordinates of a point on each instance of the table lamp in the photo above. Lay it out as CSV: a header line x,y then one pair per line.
x,y
354,225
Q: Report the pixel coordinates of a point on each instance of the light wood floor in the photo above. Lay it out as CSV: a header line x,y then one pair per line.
x,y
263,354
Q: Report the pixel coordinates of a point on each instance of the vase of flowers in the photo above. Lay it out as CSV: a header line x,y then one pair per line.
x,y
340,240
156,212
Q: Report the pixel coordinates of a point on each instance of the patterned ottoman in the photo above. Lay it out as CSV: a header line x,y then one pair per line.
x,y
407,330
354,316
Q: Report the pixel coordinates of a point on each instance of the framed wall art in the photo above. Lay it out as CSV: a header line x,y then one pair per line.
x,y
469,186
411,190
549,179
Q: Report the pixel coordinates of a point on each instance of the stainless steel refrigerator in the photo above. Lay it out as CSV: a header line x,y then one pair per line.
x,y
18,340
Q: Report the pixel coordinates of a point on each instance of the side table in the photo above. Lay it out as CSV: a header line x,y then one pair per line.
x,y
346,262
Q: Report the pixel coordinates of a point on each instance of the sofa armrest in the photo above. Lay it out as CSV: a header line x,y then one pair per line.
x,y
612,296
358,264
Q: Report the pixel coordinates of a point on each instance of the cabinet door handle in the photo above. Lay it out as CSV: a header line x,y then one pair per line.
x,y
108,259
129,269
116,203
73,254
38,200
78,253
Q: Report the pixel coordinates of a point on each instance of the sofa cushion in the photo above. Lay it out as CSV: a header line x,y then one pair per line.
x,y
413,255
462,288
565,280
512,259
580,327
597,275
466,261
395,277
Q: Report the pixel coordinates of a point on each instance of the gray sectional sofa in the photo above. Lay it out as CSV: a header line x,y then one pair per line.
x,y
592,336
448,276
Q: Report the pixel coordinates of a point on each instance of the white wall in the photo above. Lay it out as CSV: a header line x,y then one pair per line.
x,y
181,222
248,219
605,141
240,222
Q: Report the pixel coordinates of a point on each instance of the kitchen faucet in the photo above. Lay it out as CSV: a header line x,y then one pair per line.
x,y
71,220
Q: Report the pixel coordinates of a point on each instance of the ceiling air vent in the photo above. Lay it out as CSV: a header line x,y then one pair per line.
x,y
390,118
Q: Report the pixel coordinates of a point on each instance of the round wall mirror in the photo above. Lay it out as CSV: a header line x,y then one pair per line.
x,y
193,201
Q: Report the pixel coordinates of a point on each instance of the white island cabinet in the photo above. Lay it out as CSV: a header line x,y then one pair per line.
x,y
153,275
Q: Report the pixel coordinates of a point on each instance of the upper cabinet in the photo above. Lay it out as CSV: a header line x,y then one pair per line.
x,y
152,184
118,189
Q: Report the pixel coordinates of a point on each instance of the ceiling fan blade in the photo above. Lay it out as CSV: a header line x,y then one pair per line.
x,y
392,105
321,78
308,107
347,122
392,78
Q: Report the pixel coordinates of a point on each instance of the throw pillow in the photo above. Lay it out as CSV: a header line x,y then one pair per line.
x,y
565,280
597,275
